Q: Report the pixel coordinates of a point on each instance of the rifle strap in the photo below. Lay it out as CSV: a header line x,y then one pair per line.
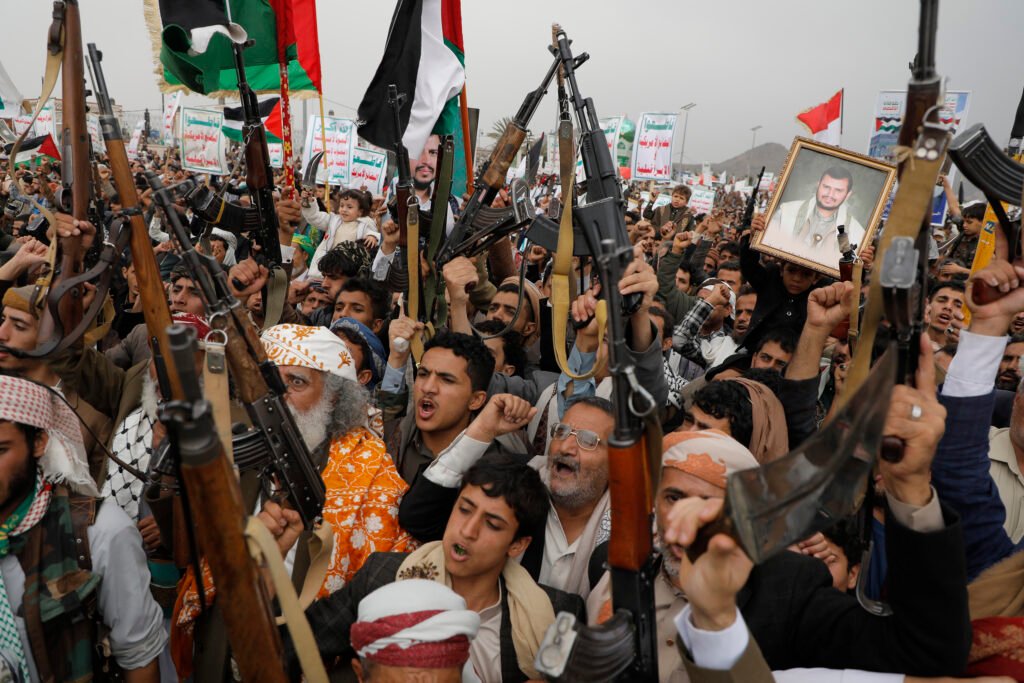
x,y
275,294
858,283
264,550
436,310
910,208
562,268
215,384
412,260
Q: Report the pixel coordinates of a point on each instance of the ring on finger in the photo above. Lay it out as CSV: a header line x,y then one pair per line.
x,y
916,412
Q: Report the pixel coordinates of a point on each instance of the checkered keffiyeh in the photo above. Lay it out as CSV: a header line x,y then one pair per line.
x,y
132,443
63,461
23,519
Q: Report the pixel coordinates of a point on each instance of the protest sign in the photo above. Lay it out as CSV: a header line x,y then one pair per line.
x,y
889,109
202,142
133,143
276,152
766,182
341,141
92,122
702,200
47,121
611,128
652,153
368,168
170,109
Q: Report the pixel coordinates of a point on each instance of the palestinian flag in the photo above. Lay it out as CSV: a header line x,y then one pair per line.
x,y
270,112
34,150
424,59
194,41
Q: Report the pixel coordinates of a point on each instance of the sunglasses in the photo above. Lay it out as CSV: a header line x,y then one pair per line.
x,y
585,439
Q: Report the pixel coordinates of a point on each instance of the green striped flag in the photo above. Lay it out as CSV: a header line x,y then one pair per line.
x,y
270,112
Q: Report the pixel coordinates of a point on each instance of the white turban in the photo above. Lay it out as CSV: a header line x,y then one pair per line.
x,y
414,623
309,347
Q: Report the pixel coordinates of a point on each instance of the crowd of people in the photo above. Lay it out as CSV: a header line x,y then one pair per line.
x,y
467,491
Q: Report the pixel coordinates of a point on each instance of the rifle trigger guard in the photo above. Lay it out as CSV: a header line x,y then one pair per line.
x,y
636,389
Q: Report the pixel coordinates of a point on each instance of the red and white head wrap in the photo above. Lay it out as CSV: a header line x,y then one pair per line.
x,y
64,460
709,454
414,623
198,322
309,347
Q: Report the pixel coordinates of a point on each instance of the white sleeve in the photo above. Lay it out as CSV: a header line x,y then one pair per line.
x,y
719,650
973,370
453,462
834,676
382,264
321,220
137,634
318,253
368,227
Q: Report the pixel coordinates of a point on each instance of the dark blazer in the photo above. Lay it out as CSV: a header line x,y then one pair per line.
x,y
800,620
960,474
332,617
775,307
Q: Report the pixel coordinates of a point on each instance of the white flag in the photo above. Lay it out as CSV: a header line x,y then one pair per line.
x,y
10,98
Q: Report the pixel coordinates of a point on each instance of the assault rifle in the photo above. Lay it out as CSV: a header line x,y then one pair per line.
x,y
208,477
261,218
258,384
748,212
625,645
64,322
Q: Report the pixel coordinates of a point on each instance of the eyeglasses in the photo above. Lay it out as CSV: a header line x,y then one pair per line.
x,y
585,439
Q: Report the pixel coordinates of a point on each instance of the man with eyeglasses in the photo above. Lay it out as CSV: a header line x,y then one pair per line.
x,y
569,555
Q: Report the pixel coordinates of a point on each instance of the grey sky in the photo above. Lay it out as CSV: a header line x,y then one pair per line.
x,y
744,62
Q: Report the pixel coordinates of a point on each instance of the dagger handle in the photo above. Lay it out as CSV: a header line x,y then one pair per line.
x,y
983,293
722,524
892,449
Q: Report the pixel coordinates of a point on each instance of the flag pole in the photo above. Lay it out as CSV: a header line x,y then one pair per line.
x,y
323,141
466,141
286,126
842,109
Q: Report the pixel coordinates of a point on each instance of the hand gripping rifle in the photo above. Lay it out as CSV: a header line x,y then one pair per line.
x,y
256,379
480,225
261,219
64,321
625,646
208,477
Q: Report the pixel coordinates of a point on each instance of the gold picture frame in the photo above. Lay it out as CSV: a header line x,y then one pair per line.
x,y
809,204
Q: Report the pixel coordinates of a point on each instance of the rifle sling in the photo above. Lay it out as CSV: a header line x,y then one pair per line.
x,y
264,550
215,385
435,305
274,295
909,209
562,268
412,260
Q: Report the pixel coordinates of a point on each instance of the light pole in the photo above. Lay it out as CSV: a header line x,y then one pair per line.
x,y
753,139
686,119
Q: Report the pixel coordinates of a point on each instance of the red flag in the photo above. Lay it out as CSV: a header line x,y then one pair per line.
x,y
824,121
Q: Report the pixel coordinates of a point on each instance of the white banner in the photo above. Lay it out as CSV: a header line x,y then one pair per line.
x,y
341,142
47,121
170,108
611,127
276,152
10,98
133,144
701,201
92,122
652,152
766,181
368,170
202,142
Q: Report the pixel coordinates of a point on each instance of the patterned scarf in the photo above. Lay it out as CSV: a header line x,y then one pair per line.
x,y
27,514
133,443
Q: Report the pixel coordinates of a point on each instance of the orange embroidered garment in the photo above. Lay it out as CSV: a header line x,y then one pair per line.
x,y
363,492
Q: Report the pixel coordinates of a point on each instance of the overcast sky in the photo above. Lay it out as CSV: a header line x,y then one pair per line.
x,y
744,62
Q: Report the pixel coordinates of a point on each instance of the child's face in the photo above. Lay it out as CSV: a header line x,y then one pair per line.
x,y
348,209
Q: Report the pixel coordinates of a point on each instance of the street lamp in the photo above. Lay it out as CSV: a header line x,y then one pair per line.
x,y
753,139
686,119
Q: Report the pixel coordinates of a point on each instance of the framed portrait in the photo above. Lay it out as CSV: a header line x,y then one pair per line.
x,y
821,188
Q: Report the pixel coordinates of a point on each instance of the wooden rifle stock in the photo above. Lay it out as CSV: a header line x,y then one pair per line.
x,y
503,155
154,299
632,500
75,170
